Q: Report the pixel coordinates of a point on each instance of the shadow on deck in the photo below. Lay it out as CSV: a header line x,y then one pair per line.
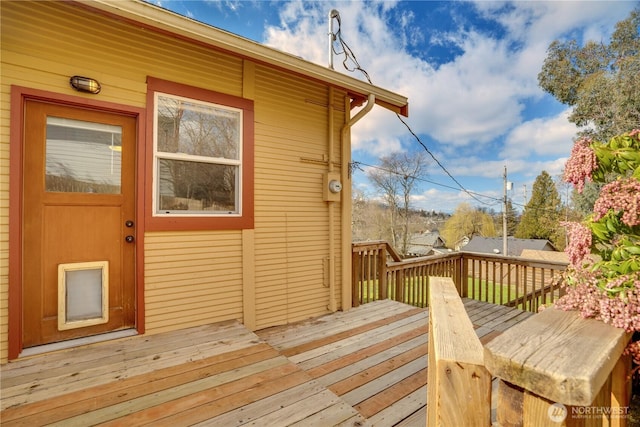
x,y
366,366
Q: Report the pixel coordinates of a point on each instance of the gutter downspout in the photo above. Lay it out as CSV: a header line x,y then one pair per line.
x,y
345,139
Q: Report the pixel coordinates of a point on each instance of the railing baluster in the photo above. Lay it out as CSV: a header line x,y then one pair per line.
x,y
382,276
509,282
473,280
543,296
526,295
495,284
501,288
486,282
533,301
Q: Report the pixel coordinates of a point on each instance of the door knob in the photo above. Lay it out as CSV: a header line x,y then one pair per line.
x,y
129,239
129,223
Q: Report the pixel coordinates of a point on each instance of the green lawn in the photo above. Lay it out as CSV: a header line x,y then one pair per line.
x,y
481,291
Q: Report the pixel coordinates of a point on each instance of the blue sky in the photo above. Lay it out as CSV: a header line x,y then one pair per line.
x,y
469,70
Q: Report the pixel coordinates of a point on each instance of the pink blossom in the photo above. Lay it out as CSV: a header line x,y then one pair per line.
x,y
581,164
621,195
621,310
600,291
579,242
634,350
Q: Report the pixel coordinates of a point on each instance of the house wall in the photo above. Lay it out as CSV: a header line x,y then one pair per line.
x,y
277,272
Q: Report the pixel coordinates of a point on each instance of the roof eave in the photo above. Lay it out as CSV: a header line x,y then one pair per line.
x,y
165,21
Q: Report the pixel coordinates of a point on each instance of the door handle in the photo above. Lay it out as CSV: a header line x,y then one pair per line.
x,y
128,223
129,239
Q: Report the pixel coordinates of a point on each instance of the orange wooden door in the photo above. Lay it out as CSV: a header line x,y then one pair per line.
x,y
78,230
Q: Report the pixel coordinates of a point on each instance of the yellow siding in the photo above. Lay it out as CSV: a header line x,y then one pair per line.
x,y
194,278
292,220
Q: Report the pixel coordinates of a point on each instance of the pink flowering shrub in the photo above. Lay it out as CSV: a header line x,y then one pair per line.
x,y
581,164
580,246
607,289
621,196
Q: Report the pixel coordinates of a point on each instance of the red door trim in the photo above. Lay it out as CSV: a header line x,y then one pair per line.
x,y
19,95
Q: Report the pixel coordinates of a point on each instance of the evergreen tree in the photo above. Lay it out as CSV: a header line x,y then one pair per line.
x,y
542,214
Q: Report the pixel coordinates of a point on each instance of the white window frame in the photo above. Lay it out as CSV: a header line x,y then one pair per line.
x,y
161,155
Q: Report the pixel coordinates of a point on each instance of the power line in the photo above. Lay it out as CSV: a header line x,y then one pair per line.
x,y
436,160
346,50
348,54
495,199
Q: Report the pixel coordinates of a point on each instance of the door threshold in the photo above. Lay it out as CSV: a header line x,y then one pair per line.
x,y
62,345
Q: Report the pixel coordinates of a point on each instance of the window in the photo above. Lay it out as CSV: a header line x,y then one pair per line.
x,y
198,157
202,161
82,157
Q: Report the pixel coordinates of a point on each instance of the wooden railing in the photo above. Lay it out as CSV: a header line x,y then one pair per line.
x,y
378,272
554,368
458,384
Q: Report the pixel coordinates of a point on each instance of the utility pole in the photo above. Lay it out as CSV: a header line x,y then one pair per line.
x,y
506,186
332,37
504,213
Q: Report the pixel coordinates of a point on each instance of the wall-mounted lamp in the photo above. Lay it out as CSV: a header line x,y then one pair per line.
x,y
85,84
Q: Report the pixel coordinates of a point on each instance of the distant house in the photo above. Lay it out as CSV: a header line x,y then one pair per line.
x,y
553,256
464,241
425,243
493,245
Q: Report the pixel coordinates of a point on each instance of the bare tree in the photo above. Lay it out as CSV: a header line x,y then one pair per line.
x,y
395,178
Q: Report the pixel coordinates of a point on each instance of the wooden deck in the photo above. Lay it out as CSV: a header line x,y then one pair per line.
x,y
367,366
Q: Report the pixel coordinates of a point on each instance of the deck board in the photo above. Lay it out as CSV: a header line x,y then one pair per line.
x,y
408,411
366,366
357,340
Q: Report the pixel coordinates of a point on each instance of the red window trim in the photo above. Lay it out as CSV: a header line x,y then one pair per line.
x,y
186,223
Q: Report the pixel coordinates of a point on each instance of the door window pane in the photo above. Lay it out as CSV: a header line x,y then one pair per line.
x,y
82,157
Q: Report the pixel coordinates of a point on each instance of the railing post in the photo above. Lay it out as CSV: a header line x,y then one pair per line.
x,y
463,277
621,388
458,384
382,274
558,368
400,286
356,278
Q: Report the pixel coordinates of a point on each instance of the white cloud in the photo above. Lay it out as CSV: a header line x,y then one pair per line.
x,y
475,106
550,136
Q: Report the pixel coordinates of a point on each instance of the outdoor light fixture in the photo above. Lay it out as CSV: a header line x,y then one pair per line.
x,y
85,84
